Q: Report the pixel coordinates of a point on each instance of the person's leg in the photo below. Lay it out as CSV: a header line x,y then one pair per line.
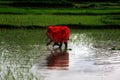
x,y
48,42
66,45
60,45
55,44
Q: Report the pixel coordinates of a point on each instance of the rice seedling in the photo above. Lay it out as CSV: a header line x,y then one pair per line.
x,y
45,20
100,10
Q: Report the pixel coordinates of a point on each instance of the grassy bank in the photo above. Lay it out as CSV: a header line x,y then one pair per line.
x,y
39,21
45,20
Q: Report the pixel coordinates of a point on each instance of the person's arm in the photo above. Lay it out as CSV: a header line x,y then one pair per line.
x,y
48,42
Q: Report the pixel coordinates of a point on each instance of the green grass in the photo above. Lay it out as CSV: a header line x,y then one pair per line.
x,y
49,16
62,10
112,20
45,20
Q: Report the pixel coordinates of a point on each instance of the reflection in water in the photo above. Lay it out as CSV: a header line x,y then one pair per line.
x,y
58,60
15,61
88,59
83,60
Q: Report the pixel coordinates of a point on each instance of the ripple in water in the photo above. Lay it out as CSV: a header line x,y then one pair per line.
x,y
84,59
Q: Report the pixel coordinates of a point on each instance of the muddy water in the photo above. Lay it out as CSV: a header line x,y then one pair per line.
x,y
91,55
84,60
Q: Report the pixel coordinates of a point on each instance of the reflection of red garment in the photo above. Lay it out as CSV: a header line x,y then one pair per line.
x,y
58,33
58,61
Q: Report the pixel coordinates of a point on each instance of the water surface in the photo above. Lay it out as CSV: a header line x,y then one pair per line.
x,y
91,55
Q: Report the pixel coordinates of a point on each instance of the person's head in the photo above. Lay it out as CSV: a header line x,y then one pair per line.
x,y
49,29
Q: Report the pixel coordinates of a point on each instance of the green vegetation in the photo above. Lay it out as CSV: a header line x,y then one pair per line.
x,y
45,20
59,3
59,11
44,17
22,36
111,20
81,14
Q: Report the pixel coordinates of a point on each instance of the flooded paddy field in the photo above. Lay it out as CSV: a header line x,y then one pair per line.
x,y
91,55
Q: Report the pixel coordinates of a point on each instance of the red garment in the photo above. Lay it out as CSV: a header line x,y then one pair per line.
x,y
58,33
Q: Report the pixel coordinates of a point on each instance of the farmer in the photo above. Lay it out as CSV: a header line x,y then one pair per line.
x,y
58,35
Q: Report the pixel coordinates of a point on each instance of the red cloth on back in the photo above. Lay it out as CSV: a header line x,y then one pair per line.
x,y
58,33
